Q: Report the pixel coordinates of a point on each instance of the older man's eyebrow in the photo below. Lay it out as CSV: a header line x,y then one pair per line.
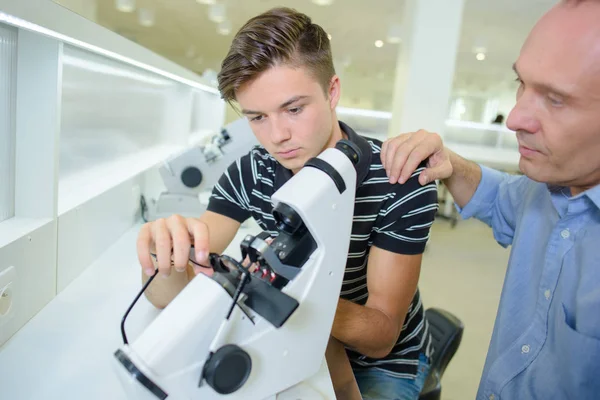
x,y
545,87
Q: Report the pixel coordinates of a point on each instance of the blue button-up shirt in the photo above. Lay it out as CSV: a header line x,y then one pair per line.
x,y
546,339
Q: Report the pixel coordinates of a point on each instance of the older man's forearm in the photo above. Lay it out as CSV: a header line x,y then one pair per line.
x,y
464,180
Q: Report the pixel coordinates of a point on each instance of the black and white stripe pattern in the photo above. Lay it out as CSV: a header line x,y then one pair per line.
x,y
396,218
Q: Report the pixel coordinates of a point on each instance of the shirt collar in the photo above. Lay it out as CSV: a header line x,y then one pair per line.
x,y
282,175
561,196
594,195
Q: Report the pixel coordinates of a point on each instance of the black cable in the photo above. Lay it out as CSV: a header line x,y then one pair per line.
x,y
143,208
132,304
238,292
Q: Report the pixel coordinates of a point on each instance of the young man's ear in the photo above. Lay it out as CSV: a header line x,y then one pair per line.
x,y
334,91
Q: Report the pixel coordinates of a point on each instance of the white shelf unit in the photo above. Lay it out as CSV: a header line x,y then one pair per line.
x,y
85,118
8,65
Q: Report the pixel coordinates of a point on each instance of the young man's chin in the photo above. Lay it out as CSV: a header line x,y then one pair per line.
x,y
293,163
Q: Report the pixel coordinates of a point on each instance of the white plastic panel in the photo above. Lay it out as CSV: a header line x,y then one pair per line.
x,y
37,125
208,113
32,281
8,67
109,110
85,232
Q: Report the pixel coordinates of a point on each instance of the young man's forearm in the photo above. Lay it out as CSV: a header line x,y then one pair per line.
x,y
465,179
366,330
340,371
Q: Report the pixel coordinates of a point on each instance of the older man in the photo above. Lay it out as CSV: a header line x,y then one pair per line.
x,y
546,339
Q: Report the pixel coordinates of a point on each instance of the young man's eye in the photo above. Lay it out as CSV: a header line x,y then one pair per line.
x,y
555,101
295,110
257,118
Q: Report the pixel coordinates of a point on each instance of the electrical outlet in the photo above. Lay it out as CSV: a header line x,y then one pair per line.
x,y
7,294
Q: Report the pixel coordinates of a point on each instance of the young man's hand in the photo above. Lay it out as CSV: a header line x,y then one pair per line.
x,y
402,155
170,240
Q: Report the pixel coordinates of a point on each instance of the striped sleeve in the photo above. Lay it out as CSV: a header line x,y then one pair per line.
x,y
230,195
405,219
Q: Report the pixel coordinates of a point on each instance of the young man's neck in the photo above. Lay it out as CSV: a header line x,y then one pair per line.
x,y
336,135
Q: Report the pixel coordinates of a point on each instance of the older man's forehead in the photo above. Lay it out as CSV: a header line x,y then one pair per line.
x,y
563,48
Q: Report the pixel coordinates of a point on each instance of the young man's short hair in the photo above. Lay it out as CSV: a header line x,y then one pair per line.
x,y
281,36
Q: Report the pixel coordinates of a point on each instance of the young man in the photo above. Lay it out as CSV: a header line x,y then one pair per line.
x,y
279,71
546,340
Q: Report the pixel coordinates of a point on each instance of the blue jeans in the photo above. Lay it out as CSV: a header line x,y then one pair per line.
x,y
374,384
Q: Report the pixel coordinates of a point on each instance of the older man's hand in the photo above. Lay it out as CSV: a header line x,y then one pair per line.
x,y
402,155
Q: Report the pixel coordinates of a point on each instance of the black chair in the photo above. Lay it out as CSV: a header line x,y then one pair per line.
x,y
446,333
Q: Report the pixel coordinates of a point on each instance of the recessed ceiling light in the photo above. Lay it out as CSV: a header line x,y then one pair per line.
x,y
322,2
146,17
125,5
190,52
329,36
216,13
224,28
394,35
480,56
206,1
378,43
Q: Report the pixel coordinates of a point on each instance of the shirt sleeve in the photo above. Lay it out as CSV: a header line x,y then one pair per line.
x,y
406,218
229,196
496,203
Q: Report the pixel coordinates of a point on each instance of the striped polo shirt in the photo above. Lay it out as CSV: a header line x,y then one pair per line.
x,y
395,218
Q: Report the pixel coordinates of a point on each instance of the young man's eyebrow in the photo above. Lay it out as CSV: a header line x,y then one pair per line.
x,y
250,112
292,101
284,105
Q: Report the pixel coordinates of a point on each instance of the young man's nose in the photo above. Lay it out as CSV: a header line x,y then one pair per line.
x,y
280,132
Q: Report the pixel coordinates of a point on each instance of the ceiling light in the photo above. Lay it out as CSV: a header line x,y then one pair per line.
x,y
216,13
378,43
224,28
394,34
125,5
480,56
322,2
329,36
190,52
210,76
146,17
206,1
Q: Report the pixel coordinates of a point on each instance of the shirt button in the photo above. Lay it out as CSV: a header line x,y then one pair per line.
x,y
565,234
525,349
547,294
492,397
